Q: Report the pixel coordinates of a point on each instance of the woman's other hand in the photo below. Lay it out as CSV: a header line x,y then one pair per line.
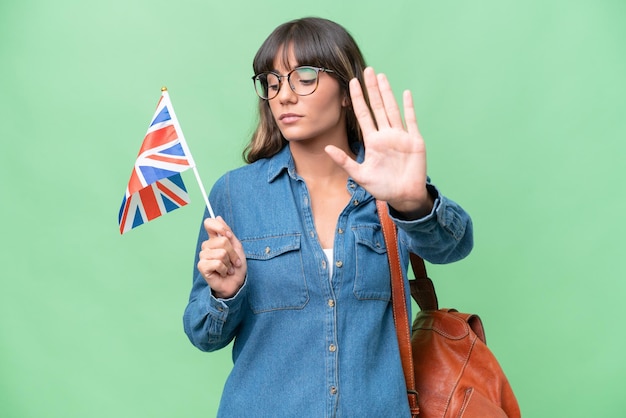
x,y
222,261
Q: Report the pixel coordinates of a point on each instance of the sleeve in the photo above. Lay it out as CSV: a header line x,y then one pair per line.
x,y
209,322
443,236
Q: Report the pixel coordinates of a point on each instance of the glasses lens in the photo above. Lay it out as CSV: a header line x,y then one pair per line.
x,y
266,85
303,80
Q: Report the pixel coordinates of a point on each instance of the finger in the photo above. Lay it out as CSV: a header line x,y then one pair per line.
x,y
215,243
221,236
391,105
376,100
222,259
361,110
211,267
234,253
409,115
217,227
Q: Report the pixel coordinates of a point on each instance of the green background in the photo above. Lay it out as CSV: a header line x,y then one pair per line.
x,y
521,103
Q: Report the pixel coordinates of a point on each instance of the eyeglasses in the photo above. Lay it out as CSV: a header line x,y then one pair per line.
x,y
302,80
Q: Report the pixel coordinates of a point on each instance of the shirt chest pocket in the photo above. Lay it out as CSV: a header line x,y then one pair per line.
x,y
276,276
372,279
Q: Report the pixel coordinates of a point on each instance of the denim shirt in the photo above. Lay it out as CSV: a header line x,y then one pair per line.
x,y
307,344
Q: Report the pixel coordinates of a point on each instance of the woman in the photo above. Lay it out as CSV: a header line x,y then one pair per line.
x,y
295,269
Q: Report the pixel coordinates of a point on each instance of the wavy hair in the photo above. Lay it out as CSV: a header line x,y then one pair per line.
x,y
316,42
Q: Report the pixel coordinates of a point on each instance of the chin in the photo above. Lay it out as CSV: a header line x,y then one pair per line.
x,y
290,136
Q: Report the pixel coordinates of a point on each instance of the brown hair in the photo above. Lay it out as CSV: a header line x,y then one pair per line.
x,y
317,42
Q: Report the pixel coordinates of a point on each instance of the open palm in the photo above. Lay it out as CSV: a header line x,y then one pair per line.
x,y
394,166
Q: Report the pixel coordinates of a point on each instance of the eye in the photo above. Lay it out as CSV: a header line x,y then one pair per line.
x,y
306,75
273,82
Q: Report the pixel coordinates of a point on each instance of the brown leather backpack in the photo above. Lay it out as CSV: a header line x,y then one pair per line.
x,y
448,368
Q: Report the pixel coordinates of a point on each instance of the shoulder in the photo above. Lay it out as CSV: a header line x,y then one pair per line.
x,y
242,176
259,174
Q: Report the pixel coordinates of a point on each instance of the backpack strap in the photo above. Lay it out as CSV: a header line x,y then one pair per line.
x,y
422,288
398,299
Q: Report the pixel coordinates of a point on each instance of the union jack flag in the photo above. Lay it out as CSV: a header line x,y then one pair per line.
x,y
156,186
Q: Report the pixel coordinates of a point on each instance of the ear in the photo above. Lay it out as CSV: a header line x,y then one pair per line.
x,y
346,102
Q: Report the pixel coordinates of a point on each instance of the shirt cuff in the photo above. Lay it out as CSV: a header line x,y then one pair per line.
x,y
427,222
222,307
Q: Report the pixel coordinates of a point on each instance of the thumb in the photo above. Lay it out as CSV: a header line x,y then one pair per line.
x,y
341,159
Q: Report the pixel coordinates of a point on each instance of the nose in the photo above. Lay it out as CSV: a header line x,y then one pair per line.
x,y
285,93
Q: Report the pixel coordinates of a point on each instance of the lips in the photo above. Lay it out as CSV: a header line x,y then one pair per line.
x,y
289,117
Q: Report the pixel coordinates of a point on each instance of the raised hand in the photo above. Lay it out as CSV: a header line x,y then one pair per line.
x,y
394,167
222,261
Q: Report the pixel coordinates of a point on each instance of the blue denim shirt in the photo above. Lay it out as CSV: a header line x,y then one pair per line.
x,y
306,344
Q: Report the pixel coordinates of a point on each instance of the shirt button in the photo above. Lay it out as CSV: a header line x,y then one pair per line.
x,y
332,348
331,303
267,250
340,230
339,264
333,390
355,202
324,265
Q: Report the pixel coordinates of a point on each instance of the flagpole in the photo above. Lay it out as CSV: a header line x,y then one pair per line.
x,y
183,143
206,197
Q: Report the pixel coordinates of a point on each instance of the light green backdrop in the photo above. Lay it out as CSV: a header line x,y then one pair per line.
x,y
522,104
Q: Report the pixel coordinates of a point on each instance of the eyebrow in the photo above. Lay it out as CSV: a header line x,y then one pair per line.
x,y
274,70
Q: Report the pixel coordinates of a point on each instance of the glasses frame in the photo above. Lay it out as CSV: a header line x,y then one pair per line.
x,y
288,77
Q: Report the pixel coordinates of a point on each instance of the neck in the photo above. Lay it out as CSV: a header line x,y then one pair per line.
x,y
313,164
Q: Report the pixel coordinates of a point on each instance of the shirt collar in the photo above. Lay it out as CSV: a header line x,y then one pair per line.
x,y
279,163
283,161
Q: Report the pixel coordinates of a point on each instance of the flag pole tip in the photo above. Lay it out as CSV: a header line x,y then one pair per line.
x,y
163,88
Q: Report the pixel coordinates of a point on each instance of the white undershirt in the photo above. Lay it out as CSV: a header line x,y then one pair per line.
x,y
329,259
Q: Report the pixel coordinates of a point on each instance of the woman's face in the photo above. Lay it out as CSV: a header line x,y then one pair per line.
x,y
318,116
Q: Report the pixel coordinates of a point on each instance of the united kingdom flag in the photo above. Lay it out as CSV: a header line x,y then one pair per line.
x,y
156,186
